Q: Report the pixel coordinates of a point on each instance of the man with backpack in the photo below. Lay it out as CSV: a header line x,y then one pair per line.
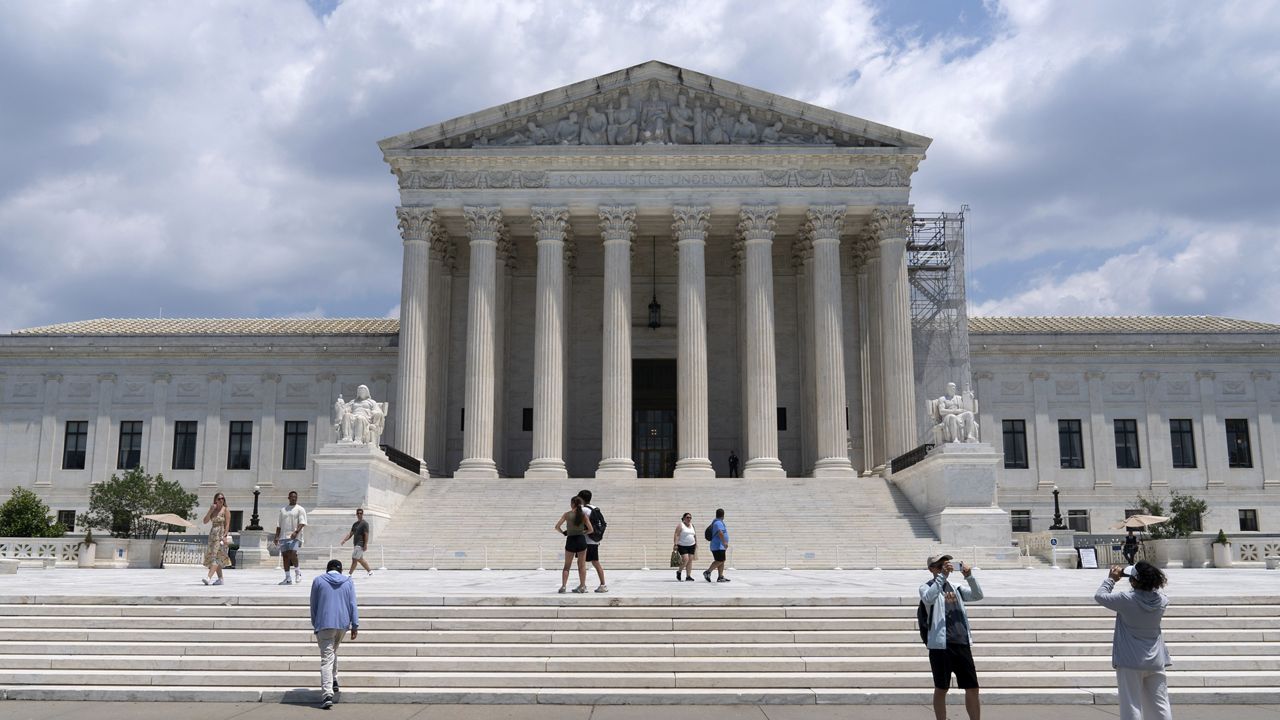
x,y
944,628
719,537
594,537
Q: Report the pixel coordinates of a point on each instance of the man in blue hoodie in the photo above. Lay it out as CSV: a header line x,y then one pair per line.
x,y
945,630
333,612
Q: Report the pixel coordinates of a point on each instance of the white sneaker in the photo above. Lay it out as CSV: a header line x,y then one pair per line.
x,y
602,589
216,582
285,581
204,580
370,573
297,576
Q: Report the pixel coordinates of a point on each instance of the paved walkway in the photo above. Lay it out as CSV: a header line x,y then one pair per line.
x,y
659,585
233,711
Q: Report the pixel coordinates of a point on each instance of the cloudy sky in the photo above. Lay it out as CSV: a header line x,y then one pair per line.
x,y
219,159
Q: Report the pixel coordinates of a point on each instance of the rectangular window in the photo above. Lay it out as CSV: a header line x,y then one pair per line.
x,y
295,445
1021,520
240,445
68,519
1127,454
1078,520
1195,524
184,445
526,420
74,444
130,453
462,419
1238,453
1248,521
1070,444
782,419
1130,512
1183,442
1015,445
237,521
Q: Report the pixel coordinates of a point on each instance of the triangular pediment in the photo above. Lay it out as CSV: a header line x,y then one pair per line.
x,y
655,104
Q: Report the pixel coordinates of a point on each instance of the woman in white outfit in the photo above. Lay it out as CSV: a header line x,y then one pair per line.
x,y
685,542
1138,652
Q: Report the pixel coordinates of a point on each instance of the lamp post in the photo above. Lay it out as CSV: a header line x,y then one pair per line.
x,y
1057,512
253,520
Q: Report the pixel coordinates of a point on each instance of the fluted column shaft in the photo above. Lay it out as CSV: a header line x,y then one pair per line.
x,y
410,407
892,226
756,224
483,225
690,229
824,225
617,224
870,417
438,342
549,224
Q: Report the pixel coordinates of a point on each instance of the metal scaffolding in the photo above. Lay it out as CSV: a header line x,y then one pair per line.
x,y
939,311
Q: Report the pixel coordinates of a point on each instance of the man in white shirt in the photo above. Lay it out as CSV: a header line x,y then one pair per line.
x,y
293,518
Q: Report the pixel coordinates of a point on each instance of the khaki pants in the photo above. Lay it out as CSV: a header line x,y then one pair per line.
x,y
1144,694
329,639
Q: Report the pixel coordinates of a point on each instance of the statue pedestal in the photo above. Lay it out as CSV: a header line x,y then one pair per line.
x,y
253,549
954,487
349,476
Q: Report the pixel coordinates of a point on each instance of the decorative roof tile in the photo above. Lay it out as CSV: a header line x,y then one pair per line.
x,y
1118,325
121,327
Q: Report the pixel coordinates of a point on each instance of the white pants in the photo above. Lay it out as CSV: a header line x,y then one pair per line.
x,y
329,639
1144,694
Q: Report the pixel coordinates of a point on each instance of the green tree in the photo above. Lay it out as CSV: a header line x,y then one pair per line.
x,y
119,504
24,514
1184,514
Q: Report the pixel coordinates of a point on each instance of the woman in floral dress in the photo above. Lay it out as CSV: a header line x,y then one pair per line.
x,y
215,553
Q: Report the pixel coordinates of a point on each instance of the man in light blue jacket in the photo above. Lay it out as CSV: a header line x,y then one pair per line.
x,y
333,612
944,627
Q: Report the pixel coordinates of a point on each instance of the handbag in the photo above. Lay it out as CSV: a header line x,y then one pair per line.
x,y
675,558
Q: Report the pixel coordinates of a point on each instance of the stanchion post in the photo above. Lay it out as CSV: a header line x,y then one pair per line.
x,y
786,549
877,566
728,557
486,558
540,567
382,553
433,559
837,567
644,553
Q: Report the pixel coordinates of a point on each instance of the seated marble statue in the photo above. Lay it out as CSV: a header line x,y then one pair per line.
x,y
360,420
955,417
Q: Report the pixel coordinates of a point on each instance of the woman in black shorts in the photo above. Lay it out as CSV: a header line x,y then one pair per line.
x,y
685,542
575,525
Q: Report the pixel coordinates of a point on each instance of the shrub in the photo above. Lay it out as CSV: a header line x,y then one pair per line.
x,y
119,504
24,514
1184,514
1221,539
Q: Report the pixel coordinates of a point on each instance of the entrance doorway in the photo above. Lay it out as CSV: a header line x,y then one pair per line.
x,y
653,417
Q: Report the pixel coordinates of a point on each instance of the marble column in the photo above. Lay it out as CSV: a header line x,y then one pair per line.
x,y
802,263
875,359
48,442
212,432
692,443
893,226
987,429
410,405
268,461
438,342
1268,457
326,385
756,225
1045,432
1215,442
505,266
549,227
1104,452
103,462
484,224
1158,460
823,229
159,423
617,225
866,349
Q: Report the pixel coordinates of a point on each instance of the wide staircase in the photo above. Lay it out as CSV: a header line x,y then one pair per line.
x,y
603,649
792,522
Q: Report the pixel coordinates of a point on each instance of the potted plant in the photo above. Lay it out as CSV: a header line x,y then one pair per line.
x,y
1221,551
88,548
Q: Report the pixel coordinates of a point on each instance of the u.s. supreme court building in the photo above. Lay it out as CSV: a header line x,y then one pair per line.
x,y
635,277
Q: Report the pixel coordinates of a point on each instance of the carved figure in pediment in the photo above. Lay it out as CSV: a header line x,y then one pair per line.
x,y
745,132
595,129
682,121
568,130
538,135
772,135
481,141
622,123
715,132
699,124
655,115
820,137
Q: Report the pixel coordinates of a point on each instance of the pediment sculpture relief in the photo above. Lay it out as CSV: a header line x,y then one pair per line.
x,y
665,115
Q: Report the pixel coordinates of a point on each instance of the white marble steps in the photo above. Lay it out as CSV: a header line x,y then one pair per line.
x,y
860,515
608,650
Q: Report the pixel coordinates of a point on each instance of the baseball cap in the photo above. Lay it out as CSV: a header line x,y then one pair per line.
x,y
1128,571
936,560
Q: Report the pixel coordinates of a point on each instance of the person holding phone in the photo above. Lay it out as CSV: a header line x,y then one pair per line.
x,y
944,627
215,550
1138,652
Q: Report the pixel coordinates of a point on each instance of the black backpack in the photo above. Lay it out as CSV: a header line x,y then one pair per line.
x,y
924,618
707,533
597,524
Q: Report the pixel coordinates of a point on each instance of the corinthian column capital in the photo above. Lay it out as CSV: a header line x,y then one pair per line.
x,y
756,222
484,222
617,222
550,222
892,222
416,223
691,222
824,223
